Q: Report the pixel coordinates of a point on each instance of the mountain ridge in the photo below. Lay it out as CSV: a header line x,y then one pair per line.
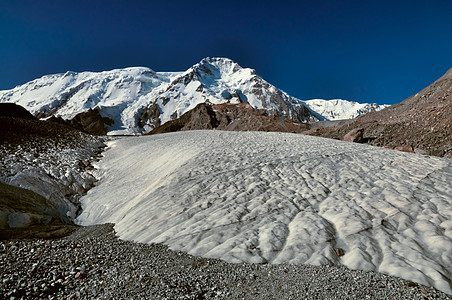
x,y
421,123
138,99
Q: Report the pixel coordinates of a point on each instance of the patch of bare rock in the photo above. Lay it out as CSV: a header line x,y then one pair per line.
x,y
231,117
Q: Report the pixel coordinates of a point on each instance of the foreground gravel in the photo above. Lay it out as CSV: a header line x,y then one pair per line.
x,y
91,263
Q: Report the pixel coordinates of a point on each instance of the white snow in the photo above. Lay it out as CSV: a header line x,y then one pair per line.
x,y
338,109
122,94
280,198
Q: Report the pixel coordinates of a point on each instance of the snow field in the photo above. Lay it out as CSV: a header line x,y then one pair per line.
x,y
280,198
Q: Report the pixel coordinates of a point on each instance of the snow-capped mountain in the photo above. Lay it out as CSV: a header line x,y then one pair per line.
x,y
138,99
338,109
421,123
119,94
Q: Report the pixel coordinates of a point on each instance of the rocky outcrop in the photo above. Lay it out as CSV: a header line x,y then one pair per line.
x,y
150,116
232,117
354,135
90,122
12,110
422,123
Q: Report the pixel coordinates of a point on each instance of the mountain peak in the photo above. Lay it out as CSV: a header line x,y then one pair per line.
x,y
137,99
216,66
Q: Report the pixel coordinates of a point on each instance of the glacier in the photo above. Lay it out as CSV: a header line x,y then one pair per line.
x,y
260,197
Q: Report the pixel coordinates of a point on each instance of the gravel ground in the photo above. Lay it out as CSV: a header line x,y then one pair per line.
x,y
91,263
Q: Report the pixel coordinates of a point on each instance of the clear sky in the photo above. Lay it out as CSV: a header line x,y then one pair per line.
x,y
366,51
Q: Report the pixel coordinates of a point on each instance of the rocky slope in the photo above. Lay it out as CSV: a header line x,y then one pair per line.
x,y
137,100
235,117
15,111
45,167
422,123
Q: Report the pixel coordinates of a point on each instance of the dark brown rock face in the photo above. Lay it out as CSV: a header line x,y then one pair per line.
x,y
423,122
12,110
90,121
150,115
233,117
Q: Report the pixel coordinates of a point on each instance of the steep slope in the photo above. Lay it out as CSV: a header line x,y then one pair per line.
x,y
422,123
137,100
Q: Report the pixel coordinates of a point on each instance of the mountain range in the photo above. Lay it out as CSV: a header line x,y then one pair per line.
x,y
422,123
137,100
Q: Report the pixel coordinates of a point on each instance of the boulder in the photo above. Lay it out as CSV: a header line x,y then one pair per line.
x,y
404,148
355,135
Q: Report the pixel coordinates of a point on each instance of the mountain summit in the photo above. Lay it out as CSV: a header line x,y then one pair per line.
x,y
136,100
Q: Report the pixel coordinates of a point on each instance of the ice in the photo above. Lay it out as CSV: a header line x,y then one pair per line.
x,y
280,198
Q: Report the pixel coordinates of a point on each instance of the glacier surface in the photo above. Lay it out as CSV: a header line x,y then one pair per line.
x,y
280,198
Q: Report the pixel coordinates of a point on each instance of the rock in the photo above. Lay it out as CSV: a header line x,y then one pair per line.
x,y
12,110
355,135
151,115
231,117
404,148
339,251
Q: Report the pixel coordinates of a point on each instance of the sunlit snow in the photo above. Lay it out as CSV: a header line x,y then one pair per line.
x,y
338,109
123,94
280,198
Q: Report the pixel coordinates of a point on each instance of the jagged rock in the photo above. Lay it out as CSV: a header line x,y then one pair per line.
x,y
90,121
151,115
236,117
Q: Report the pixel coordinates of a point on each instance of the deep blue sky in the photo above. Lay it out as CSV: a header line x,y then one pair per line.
x,y
366,51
